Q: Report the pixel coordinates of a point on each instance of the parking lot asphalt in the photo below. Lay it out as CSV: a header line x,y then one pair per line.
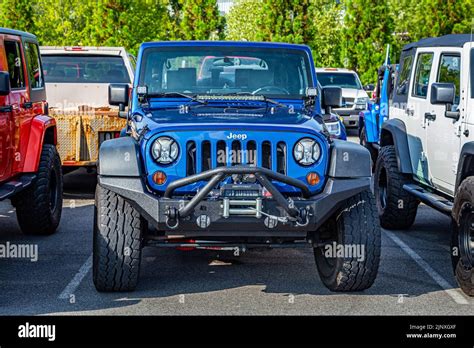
x,y
415,275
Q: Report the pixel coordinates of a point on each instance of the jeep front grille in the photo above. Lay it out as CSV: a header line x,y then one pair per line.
x,y
206,155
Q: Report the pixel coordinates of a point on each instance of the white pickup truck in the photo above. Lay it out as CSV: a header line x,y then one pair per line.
x,y
77,80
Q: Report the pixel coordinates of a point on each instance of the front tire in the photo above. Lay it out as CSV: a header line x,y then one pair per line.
x,y
117,242
397,208
39,207
356,225
462,245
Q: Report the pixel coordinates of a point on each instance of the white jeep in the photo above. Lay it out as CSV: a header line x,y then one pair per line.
x,y
427,145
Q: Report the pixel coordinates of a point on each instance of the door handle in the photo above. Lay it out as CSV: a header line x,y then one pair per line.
x,y
430,117
6,108
28,105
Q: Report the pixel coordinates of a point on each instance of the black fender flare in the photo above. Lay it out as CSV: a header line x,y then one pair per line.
x,y
394,133
465,163
120,157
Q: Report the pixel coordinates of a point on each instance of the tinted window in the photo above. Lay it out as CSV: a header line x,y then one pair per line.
x,y
343,80
422,74
404,76
84,69
226,70
450,72
15,65
33,65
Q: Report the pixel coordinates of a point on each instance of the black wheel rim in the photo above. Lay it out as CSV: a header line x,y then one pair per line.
x,y
382,185
53,191
327,265
466,236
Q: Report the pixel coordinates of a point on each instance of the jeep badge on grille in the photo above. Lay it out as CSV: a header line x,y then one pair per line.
x,y
237,136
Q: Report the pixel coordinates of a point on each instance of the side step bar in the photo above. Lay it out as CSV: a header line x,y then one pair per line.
x,y
439,203
12,187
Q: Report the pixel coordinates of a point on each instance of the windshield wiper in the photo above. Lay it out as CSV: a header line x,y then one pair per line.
x,y
192,98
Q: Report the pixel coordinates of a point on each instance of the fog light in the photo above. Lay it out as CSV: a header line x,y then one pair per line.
x,y
159,178
312,178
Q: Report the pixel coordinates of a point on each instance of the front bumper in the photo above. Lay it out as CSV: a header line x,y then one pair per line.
x,y
350,117
205,216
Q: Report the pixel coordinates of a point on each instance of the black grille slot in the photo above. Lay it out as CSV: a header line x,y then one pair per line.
x,y
281,157
236,155
206,156
221,153
267,155
190,158
251,156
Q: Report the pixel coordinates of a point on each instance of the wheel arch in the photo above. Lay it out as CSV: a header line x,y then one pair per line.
x,y
465,164
394,133
42,131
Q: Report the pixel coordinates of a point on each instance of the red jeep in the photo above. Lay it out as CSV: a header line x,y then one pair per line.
x,y
30,168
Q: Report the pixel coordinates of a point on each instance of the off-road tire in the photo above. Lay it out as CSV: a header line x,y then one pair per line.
x,y
39,207
118,229
463,218
364,143
396,207
355,224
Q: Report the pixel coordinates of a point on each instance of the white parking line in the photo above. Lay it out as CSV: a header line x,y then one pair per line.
x,y
76,281
455,294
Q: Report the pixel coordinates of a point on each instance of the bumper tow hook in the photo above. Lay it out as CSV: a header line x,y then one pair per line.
x,y
303,217
172,218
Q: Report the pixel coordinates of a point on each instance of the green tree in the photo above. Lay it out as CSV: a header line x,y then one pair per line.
x,y
414,20
368,27
62,22
242,20
199,20
17,14
326,17
285,21
127,23
451,17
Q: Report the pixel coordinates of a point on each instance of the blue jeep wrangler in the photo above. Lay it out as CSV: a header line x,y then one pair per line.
x,y
226,148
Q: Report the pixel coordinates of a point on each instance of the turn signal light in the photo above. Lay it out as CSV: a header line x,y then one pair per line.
x,y
312,178
159,178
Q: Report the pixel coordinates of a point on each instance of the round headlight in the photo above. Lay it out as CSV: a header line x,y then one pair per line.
x,y
306,152
165,150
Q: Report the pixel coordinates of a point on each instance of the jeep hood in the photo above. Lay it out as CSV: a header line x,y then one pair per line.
x,y
212,118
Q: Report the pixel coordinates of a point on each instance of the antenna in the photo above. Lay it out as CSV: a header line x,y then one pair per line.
x,y
387,55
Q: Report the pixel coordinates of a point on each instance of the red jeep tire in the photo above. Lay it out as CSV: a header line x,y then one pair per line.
x,y
39,207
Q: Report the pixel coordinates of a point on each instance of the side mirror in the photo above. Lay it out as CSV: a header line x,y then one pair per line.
x,y
442,93
4,83
118,95
370,87
332,98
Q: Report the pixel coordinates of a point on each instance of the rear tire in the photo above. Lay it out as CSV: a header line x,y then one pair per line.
x,y
462,245
397,208
356,224
117,243
39,207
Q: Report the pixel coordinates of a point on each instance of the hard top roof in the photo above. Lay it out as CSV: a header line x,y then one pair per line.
x,y
225,43
451,40
16,32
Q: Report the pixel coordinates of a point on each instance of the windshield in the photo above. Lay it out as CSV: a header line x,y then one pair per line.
x,y
84,69
343,80
274,72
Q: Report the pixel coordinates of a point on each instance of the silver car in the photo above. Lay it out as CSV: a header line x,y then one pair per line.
x,y
354,97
